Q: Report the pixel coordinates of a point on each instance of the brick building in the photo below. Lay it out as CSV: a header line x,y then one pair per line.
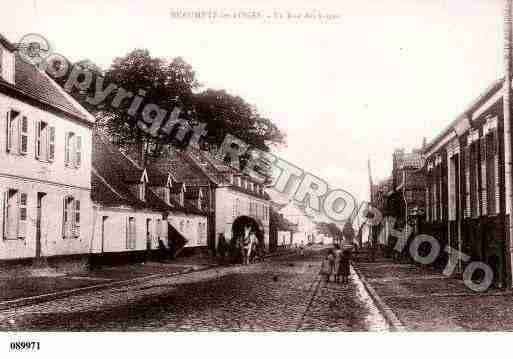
x,y
465,192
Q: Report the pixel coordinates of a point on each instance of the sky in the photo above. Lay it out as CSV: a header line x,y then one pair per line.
x,y
381,76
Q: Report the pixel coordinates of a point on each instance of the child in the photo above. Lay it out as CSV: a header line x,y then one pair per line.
x,y
327,266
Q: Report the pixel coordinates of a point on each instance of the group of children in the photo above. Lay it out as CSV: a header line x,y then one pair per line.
x,y
336,263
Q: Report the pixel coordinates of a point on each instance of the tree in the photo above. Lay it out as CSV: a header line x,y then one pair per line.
x,y
169,85
227,114
330,230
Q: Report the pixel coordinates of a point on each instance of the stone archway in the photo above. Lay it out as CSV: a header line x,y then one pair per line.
x,y
240,227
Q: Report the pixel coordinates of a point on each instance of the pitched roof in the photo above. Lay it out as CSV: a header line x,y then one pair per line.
x,y
114,172
180,166
109,185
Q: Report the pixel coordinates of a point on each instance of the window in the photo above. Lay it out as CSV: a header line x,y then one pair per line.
x,y
131,234
15,214
73,150
159,228
17,133
45,141
71,217
142,191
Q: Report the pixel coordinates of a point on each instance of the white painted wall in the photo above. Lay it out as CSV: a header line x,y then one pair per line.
x,y
27,166
188,226
115,229
225,202
27,174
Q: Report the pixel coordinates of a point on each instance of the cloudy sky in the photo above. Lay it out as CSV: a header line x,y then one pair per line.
x,y
381,76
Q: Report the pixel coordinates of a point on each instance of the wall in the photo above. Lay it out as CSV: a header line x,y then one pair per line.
x,y
116,229
27,166
225,202
27,174
190,230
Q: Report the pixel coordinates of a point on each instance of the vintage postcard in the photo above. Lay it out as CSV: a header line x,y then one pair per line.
x,y
271,168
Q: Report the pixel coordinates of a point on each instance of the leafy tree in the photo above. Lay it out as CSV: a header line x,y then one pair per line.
x,y
227,114
169,85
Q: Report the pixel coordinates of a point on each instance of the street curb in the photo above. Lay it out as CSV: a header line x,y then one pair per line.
x,y
22,302
395,324
37,299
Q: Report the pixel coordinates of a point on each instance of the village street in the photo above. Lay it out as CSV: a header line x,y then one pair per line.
x,y
282,294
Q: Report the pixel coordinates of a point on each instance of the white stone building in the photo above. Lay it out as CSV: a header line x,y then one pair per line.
x,y
45,164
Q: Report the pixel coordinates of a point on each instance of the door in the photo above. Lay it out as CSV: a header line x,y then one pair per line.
x,y
39,216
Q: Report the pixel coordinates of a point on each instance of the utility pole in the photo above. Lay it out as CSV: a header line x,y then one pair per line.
x,y
507,131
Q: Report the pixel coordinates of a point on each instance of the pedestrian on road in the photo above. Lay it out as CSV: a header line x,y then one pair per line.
x,y
327,266
345,265
338,262
221,246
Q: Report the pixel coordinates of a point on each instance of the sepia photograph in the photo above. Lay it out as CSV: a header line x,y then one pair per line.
x,y
250,178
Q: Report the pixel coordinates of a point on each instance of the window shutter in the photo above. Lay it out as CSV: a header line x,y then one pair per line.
x,y
9,132
4,214
78,151
127,234
23,135
22,206
38,140
76,223
65,217
67,149
484,197
51,143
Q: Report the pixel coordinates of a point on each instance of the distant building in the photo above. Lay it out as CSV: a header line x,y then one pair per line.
x,y
306,228
233,200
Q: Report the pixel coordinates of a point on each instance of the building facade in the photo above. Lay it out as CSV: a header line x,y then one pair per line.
x,y
465,192
45,158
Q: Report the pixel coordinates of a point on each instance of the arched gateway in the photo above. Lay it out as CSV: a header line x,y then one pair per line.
x,y
244,225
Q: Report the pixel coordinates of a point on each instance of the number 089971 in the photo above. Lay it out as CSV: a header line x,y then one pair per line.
x,y
24,346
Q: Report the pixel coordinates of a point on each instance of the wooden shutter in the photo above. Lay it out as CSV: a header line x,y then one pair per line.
x,y
467,181
8,129
22,210
127,234
4,214
51,143
76,218
38,140
67,149
78,151
484,194
23,135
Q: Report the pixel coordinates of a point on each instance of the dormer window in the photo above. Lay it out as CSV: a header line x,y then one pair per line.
x,y
200,199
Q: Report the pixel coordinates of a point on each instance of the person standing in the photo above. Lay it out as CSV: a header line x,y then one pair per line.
x,y
328,265
345,265
221,247
338,262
